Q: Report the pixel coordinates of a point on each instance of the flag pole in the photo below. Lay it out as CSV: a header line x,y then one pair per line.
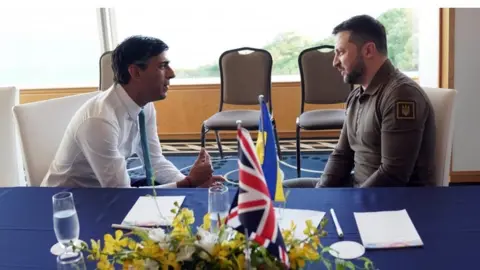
x,y
239,127
260,100
248,262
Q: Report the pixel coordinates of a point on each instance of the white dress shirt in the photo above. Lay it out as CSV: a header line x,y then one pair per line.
x,y
102,134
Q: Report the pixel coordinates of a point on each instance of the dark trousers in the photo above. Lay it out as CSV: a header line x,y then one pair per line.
x,y
141,182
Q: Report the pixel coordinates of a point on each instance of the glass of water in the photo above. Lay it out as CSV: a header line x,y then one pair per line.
x,y
218,204
71,261
65,219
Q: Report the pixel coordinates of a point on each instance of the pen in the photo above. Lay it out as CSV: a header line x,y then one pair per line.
x,y
129,227
337,225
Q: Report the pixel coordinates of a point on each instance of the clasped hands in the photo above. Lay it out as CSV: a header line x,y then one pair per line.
x,y
201,173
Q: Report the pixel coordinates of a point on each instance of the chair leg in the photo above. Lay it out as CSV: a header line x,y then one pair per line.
x,y
298,152
203,131
219,143
277,141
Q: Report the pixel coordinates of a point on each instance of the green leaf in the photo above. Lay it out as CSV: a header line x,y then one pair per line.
x,y
327,264
339,265
368,264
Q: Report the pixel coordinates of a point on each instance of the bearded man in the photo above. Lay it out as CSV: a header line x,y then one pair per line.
x,y
388,138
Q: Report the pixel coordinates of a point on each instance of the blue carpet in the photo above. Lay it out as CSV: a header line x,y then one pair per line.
x,y
312,165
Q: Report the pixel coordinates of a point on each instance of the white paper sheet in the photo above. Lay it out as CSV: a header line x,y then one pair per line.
x,y
145,213
299,217
387,229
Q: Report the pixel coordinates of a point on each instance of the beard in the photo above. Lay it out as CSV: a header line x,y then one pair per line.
x,y
356,75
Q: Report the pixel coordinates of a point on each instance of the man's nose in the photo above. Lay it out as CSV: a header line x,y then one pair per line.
x,y
335,62
171,73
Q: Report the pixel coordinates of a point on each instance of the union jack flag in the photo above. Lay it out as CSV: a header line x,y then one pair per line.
x,y
252,207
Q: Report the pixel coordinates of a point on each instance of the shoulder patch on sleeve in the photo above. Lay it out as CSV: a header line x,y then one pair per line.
x,y
405,110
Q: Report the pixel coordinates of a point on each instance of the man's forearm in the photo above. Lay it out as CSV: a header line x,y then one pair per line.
x,y
382,179
337,170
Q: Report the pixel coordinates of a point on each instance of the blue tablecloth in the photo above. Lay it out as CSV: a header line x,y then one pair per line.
x,y
447,219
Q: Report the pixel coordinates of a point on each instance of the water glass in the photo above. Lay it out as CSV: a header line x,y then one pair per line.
x,y
65,219
70,261
281,206
218,204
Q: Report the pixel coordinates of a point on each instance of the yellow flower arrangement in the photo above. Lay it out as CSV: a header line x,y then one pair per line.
x,y
179,247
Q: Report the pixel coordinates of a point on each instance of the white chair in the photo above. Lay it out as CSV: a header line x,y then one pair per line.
x,y
106,71
41,126
443,101
11,165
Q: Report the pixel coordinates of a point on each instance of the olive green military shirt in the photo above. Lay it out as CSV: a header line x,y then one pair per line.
x,y
388,137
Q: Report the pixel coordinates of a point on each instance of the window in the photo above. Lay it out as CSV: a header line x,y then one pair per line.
x,y
49,48
198,33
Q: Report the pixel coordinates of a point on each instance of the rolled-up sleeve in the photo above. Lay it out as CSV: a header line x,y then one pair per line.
x,y
404,114
99,142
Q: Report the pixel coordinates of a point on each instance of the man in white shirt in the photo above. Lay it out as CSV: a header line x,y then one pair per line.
x,y
112,126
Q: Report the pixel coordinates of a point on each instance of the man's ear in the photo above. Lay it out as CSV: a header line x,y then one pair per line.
x,y
369,50
134,71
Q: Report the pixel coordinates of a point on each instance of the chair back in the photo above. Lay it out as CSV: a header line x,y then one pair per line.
x,y
245,74
106,71
443,101
11,164
41,126
321,82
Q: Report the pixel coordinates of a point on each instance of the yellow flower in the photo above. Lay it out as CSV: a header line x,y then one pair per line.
x,y
310,230
170,260
95,250
114,245
206,222
104,263
240,260
152,250
188,216
295,256
180,233
136,264
315,241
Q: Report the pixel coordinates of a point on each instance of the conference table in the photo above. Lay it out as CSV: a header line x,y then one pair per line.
x,y
447,220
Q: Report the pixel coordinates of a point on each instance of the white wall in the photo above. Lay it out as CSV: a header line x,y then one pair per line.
x,y
429,46
466,140
11,164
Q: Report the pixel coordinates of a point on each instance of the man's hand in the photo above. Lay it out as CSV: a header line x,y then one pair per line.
x,y
201,171
213,180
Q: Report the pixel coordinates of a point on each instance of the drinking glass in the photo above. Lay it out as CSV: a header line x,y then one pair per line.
x,y
65,221
218,204
71,261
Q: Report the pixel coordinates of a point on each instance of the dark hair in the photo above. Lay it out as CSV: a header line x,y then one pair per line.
x,y
364,28
135,50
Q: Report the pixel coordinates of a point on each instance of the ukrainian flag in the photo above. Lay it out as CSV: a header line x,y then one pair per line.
x,y
267,154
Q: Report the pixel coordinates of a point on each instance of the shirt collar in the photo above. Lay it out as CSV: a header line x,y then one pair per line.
x,y
131,107
382,76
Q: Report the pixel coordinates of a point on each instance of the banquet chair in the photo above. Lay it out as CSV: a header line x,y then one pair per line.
x,y
443,103
321,84
106,71
245,73
11,164
41,126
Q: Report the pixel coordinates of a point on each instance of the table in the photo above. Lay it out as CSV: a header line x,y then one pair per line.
x,y
447,220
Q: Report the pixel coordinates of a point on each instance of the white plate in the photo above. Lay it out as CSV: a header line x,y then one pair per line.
x,y
347,250
58,249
